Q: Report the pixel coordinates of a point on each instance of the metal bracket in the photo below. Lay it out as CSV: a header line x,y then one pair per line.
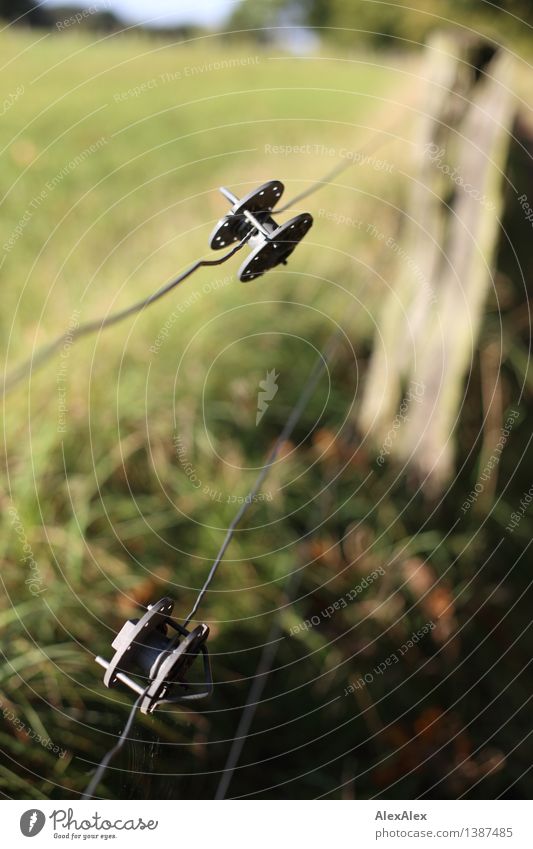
x,y
143,649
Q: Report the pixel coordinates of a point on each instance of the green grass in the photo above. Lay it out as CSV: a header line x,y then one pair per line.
x,y
111,518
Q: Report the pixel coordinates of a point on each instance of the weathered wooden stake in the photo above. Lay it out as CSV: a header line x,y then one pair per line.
x,y
429,324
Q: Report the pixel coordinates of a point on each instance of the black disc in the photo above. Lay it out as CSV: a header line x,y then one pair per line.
x,y
261,200
276,248
234,226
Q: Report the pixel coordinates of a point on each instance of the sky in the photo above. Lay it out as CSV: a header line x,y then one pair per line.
x,y
161,12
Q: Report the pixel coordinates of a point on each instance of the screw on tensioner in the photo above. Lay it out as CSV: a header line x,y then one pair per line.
x,y
154,665
251,215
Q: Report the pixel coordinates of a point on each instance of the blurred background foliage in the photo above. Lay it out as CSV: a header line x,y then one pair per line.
x,y
373,23
113,520
385,24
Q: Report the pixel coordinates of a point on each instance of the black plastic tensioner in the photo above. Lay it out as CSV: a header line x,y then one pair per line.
x,y
159,662
271,243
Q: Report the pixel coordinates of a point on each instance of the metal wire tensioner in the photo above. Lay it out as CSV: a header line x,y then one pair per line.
x,y
144,649
251,216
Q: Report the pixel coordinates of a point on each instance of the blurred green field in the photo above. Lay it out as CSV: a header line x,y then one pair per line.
x,y
134,136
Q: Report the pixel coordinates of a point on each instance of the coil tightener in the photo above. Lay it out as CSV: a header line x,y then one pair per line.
x,y
160,662
271,243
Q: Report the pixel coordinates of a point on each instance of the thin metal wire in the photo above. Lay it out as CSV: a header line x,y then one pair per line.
x,y
270,649
372,144
44,354
106,760
320,365
309,386
255,692
266,660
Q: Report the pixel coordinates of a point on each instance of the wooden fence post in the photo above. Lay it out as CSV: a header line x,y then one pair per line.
x,y
427,331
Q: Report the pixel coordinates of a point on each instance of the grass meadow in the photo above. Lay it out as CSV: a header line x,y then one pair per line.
x,y
111,153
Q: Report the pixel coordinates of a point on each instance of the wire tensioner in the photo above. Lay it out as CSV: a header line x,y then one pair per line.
x,y
161,663
271,243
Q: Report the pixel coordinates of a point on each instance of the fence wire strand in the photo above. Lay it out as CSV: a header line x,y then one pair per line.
x,y
108,757
44,354
310,385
